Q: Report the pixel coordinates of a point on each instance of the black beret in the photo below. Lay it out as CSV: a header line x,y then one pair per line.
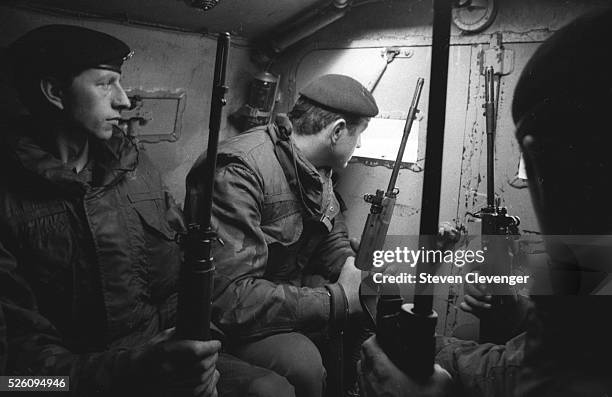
x,y
572,67
341,93
67,49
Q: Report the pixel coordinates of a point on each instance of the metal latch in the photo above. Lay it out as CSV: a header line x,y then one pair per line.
x,y
498,57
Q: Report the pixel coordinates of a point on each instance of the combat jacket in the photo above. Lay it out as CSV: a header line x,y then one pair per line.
x,y
88,262
274,254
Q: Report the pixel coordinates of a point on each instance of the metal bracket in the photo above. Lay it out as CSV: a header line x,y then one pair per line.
x,y
154,116
498,57
390,53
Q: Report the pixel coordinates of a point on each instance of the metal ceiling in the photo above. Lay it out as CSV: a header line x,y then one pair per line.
x,y
245,18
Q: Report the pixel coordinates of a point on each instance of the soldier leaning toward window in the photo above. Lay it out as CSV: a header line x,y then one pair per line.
x,y
88,263
285,273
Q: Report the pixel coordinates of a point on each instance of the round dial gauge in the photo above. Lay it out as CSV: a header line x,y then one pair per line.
x,y
475,15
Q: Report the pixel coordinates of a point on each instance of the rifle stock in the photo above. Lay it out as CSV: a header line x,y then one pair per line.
x,y
375,229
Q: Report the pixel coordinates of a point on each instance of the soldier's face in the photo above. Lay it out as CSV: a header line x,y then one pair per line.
x,y
347,142
94,101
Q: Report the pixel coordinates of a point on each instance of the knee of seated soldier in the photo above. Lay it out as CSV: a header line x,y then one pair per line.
x,y
303,360
271,385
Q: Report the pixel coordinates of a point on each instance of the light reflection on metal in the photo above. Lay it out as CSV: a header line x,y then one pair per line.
x,y
204,5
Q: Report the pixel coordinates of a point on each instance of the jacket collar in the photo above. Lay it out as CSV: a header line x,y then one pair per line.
x,y
313,189
29,152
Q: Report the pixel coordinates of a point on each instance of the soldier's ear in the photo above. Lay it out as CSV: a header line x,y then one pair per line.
x,y
532,154
53,91
336,129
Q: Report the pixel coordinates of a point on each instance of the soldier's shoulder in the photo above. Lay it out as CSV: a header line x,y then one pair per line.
x,y
251,147
252,140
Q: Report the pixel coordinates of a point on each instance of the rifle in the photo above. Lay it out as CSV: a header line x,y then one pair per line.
x,y
388,306
383,203
498,228
410,328
196,273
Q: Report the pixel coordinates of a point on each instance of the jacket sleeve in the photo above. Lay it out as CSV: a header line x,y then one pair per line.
x,y
481,370
35,346
245,304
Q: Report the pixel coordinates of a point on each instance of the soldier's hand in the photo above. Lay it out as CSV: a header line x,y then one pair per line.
x,y
509,310
476,300
185,365
350,279
379,377
448,236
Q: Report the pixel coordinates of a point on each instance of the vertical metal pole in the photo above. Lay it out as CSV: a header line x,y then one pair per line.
x,y
418,320
430,202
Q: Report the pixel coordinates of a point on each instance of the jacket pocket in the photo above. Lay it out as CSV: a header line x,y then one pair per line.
x,y
45,238
282,220
159,255
151,209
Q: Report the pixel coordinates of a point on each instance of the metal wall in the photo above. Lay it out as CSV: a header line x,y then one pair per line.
x,y
368,30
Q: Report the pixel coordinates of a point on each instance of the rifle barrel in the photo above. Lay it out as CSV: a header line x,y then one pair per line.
x,y
490,129
214,124
407,127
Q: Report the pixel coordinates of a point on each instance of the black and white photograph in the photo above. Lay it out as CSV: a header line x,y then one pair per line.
x,y
305,198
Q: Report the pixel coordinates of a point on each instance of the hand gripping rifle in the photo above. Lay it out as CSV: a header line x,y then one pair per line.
x,y
196,273
388,305
498,230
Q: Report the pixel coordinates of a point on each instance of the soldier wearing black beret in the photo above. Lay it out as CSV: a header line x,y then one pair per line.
x,y
285,279
88,260
61,52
